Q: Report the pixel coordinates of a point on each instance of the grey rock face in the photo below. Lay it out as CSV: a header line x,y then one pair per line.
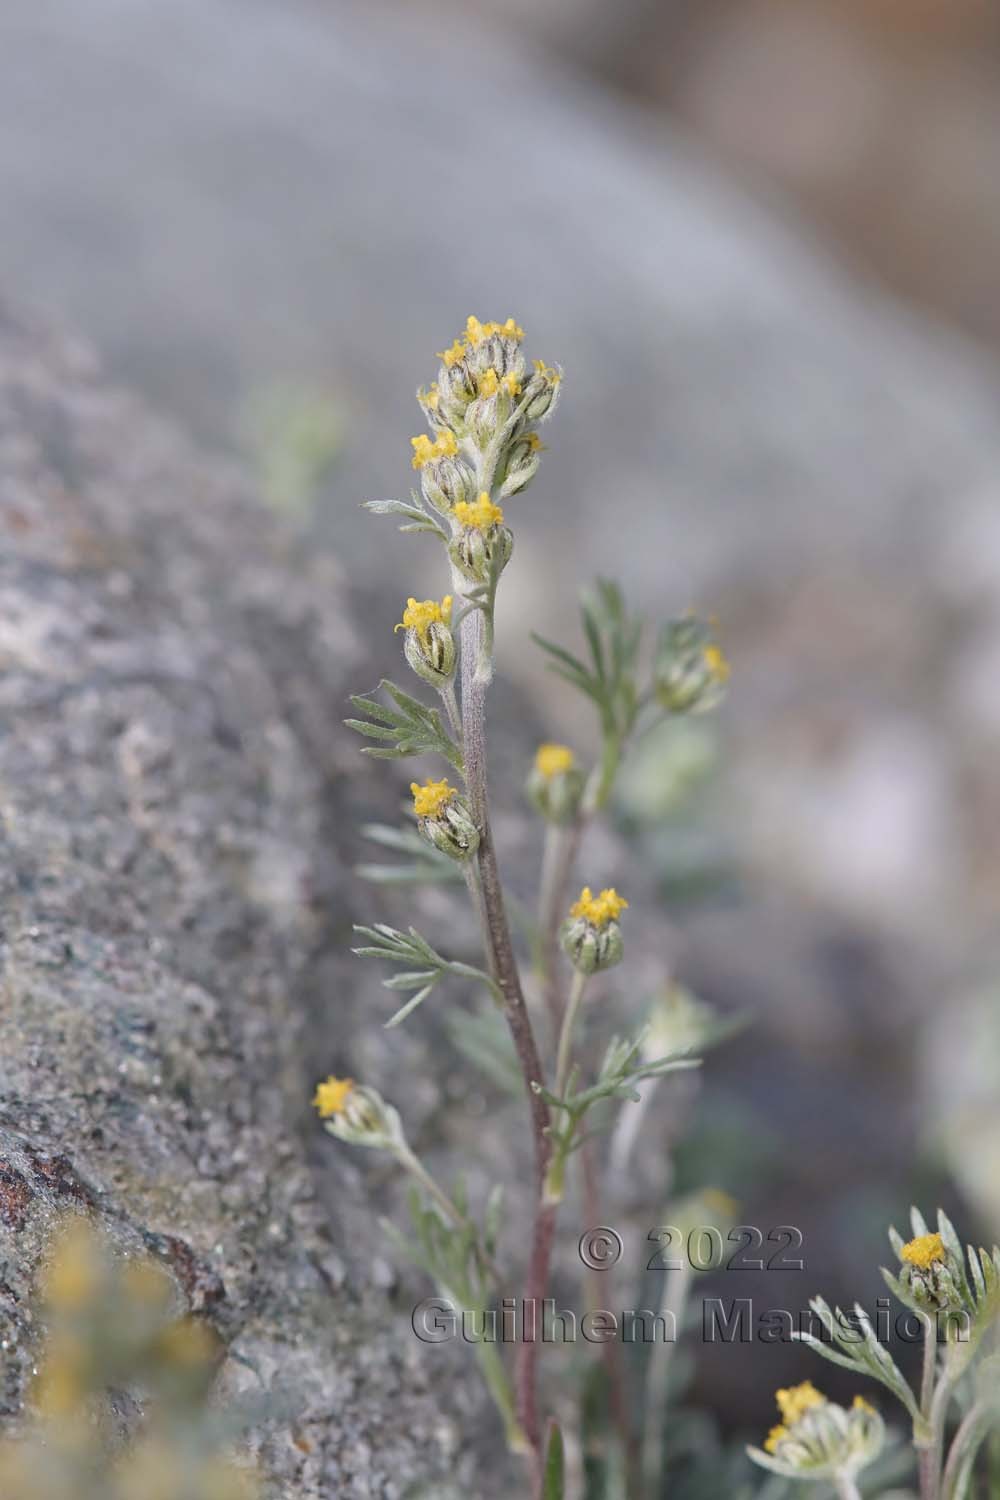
x,y
169,682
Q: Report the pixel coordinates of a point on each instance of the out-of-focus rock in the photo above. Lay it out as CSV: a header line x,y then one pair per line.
x,y
170,679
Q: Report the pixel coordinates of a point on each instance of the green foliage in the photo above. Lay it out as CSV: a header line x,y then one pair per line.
x,y
418,517
407,727
855,1346
410,948
609,679
425,865
555,1464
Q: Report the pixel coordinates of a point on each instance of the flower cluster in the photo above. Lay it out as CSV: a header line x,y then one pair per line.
x,y
691,671
429,645
816,1439
556,783
591,937
444,819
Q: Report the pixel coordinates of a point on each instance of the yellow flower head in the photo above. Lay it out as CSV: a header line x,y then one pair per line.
x,y
774,1438
717,663
535,443
431,397
478,514
599,910
475,331
923,1251
430,800
860,1404
420,615
454,354
331,1096
796,1400
443,446
547,371
554,760
491,382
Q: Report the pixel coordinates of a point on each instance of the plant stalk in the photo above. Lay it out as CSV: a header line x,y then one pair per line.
x,y
503,967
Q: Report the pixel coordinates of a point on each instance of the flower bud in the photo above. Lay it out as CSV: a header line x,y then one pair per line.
x,y
541,391
690,672
482,544
928,1275
429,645
555,784
590,936
358,1114
523,459
447,481
444,819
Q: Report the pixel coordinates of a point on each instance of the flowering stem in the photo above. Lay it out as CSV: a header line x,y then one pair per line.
x,y
965,1444
451,709
933,1408
503,967
412,1164
566,1034
599,1295
562,842
676,1285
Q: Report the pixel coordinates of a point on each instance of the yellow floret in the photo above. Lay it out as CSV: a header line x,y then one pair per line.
x,y
554,760
419,615
331,1096
443,446
547,371
796,1400
717,663
476,331
454,354
860,1404
774,1438
432,798
478,514
599,910
923,1251
489,383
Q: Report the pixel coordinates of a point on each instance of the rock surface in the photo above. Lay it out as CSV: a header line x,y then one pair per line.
x,y
170,871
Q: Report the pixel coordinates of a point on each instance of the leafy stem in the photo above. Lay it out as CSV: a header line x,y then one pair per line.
x,y
410,948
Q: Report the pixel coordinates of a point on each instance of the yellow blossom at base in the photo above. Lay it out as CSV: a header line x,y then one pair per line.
x,y
419,615
717,663
331,1096
430,799
796,1400
599,910
478,514
443,446
774,1438
923,1251
554,760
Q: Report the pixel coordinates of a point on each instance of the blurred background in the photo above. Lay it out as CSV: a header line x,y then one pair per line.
x,y
763,239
